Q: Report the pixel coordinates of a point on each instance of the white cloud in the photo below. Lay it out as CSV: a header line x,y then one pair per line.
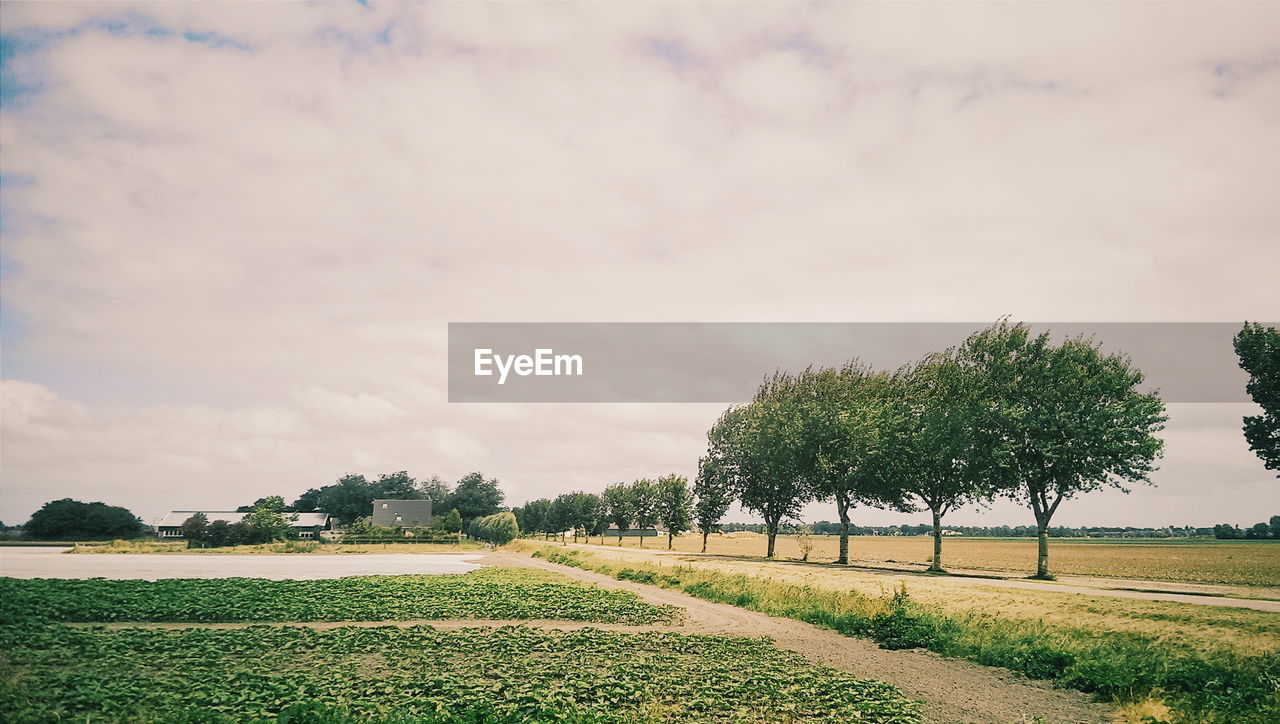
x,y
234,266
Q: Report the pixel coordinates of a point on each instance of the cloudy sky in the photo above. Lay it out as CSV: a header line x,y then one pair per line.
x,y
234,234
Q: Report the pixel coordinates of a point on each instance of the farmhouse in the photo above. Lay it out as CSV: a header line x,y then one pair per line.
x,y
402,513
308,525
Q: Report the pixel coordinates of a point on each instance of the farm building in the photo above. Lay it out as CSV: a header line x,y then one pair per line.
x,y
402,513
308,525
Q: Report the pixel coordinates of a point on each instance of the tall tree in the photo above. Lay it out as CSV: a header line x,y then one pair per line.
x,y
620,503
714,496
644,499
474,497
938,453
437,491
582,512
844,426
759,449
195,530
675,505
1064,420
1258,348
270,517
536,514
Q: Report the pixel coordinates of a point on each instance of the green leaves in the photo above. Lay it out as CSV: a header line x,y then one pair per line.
x,y
512,674
488,593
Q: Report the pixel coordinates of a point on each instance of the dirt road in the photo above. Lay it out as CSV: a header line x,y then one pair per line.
x,y
952,690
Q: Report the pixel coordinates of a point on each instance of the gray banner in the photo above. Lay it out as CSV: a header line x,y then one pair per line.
x,y
724,362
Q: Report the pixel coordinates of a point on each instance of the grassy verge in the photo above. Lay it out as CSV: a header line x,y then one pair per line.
x,y
487,593
1197,684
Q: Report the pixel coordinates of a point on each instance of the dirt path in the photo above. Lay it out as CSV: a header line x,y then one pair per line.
x,y
952,690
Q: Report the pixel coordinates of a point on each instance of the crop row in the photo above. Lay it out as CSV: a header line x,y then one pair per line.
x,y
297,674
484,594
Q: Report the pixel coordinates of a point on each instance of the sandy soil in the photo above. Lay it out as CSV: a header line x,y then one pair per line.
x,y
952,690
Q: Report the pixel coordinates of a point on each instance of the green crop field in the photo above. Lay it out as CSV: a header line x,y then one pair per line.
x,y
293,674
514,674
487,593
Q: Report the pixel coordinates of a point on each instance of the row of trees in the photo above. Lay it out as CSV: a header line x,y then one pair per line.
x,y
827,528
266,521
1259,531
1005,414
639,505
352,496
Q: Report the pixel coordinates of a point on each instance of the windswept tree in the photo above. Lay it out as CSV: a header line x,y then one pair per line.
x,y
1258,348
620,503
1064,420
714,494
843,429
937,453
759,449
675,505
644,499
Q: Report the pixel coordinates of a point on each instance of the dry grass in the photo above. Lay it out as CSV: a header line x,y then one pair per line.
x,y
1201,627
1243,563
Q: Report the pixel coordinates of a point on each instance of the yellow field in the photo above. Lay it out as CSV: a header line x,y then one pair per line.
x,y
1242,563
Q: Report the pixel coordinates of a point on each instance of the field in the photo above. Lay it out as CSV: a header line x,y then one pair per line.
x,y
1186,662
291,547
1244,563
338,673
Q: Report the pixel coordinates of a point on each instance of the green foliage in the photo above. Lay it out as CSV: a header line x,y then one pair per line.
x,y
619,502
1216,687
1258,348
352,496
499,529
674,505
714,494
475,497
451,522
487,593
68,519
391,674
269,516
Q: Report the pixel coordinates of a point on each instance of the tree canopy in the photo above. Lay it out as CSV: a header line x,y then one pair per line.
x,y
68,519
1258,348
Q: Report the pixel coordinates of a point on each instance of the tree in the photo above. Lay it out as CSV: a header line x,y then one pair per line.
x,y
437,491
1063,420
218,534
582,511
1275,526
451,522
714,496
475,497
562,515
536,516
1259,531
195,530
68,519
644,499
1258,348
352,496
845,423
269,517
758,448
939,453
621,507
498,529
675,505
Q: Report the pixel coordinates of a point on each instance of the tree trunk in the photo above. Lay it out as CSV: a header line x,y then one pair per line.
x,y
704,540
619,539
1042,557
842,505
670,539
937,542
642,538
771,528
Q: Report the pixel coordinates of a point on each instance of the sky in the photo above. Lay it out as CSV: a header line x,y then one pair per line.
x,y
232,235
